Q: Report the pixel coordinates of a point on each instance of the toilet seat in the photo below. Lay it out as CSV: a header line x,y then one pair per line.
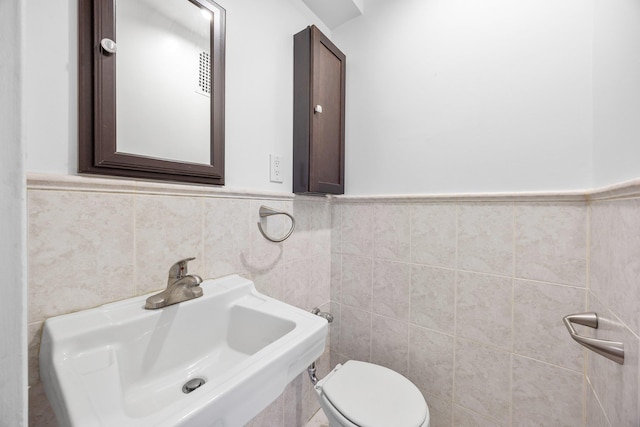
x,y
374,396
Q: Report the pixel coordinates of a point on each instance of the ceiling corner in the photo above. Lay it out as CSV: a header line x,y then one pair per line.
x,y
336,12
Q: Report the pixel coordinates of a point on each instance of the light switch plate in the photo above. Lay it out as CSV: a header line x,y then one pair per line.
x,y
275,167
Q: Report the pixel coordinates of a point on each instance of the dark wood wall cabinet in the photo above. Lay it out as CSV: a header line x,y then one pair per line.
x,y
318,114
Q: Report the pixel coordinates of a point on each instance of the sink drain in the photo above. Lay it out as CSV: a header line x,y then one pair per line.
x,y
192,385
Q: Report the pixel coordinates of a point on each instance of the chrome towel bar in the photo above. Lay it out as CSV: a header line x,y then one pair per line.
x,y
612,350
266,211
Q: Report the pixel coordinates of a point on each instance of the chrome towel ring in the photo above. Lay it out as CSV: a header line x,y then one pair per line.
x,y
266,211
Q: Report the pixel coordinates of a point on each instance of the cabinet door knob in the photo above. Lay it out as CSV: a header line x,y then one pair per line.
x,y
109,45
318,109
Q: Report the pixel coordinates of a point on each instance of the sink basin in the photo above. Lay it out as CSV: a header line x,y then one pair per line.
x,y
122,365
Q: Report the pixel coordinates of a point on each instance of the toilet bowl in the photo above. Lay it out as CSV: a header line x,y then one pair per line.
x,y
360,394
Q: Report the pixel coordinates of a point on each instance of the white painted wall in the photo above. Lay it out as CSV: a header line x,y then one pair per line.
x,y
13,313
50,86
468,96
259,87
616,91
443,95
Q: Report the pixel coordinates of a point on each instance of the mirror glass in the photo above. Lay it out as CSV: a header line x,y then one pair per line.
x,y
163,84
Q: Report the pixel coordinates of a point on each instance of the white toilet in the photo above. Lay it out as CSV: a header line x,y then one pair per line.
x,y
360,394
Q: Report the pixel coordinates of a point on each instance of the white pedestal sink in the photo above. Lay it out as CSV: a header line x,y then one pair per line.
x,y
121,365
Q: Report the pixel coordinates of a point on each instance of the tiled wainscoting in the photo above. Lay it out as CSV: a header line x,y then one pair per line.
x,y
94,241
466,298
614,293
463,295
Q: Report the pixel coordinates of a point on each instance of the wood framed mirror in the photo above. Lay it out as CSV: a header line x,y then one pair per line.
x,y
151,102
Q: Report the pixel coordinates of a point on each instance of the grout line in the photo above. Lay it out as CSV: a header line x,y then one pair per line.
x,y
507,276
371,315
204,264
478,414
588,248
514,248
457,237
455,316
573,371
591,389
585,356
134,202
496,348
455,344
511,388
409,325
585,387
410,306
514,231
341,246
618,319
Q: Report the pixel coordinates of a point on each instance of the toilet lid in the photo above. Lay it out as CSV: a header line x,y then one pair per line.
x,y
374,396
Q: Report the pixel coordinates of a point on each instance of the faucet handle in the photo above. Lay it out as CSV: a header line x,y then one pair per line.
x,y
179,269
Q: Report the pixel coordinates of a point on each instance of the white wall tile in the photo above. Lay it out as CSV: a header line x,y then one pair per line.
x,y
355,334
615,258
484,308
485,237
320,239
80,251
390,343
391,284
433,298
431,362
336,228
319,285
301,243
538,330
464,418
272,282
357,229
439,412
40,412
615,385
594,412
546,395
272,415
300,402
296,288
357,281
551,242
433,234
483,380
334,330
227,240
392,232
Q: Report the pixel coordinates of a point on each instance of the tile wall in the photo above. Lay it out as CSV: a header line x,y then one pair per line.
x,y
93,244
466,299
612,393
463,296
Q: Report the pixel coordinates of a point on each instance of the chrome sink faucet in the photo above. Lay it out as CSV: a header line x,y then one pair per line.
x,y
180,287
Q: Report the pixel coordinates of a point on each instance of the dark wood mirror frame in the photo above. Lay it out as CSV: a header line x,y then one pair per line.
x,y
97,151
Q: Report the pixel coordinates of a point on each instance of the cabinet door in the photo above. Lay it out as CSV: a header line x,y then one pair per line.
x,y
326,145
318,114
